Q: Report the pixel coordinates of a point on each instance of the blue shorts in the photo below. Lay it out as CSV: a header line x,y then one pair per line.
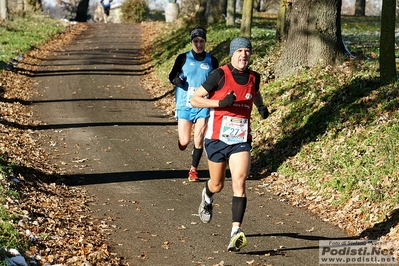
x,y
192,114
218,151
107,9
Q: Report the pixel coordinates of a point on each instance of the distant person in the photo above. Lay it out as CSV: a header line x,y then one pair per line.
x,y
188,73
230,91
107,7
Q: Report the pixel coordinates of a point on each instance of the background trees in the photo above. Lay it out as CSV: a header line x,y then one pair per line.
x,y
231,10
3,10
215,10
360,8
246,18
387,42
310,33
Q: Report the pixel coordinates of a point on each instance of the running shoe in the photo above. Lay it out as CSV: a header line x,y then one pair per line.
x,y
181,147
205,209
237,241
193,176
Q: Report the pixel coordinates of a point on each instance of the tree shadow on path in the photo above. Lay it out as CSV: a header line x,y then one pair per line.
x,y
382,228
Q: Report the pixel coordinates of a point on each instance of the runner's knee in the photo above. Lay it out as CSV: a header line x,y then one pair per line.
x,y
215,187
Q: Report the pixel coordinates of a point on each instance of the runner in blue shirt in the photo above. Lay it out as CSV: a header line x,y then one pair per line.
x,y
107,7
188,73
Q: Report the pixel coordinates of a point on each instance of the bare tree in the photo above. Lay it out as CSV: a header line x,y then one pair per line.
x,y
387,42
360,8
203,11
23,6
214,10
245,29
3,10
82,9
200,11
266,5
231,11
282,23
37,4
313,36
190,7
256,5
20,5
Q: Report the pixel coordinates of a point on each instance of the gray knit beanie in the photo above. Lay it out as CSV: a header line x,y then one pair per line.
x,y
239,42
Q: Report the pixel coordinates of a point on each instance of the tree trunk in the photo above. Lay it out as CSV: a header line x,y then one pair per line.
x,y
194,9
246,22
23,6
387,42
3,10
36,4
81,13
360,8
27,6
266,5
256,5
214,10
200,11
231,11
313,36
239,5
20,5
190,7
282,23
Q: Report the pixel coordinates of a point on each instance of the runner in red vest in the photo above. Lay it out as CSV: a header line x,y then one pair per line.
x,y
229,92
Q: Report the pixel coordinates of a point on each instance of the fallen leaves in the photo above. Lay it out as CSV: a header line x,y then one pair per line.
x,y
56,219
166,245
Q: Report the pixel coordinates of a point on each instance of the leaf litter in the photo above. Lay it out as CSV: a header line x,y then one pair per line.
x,y
55,218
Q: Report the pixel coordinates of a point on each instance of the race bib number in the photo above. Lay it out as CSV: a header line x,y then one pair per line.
x,y
190,94
234,130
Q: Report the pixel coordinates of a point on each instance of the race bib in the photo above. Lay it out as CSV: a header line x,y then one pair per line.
x,y
190,94
234,130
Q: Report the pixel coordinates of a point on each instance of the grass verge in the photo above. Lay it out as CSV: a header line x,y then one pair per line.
x,y
9,236
21,34
18,35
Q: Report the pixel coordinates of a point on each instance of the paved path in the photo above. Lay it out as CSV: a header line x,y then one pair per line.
x,y
106,130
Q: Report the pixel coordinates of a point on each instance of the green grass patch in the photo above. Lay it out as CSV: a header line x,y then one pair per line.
x,y
21,34
9,237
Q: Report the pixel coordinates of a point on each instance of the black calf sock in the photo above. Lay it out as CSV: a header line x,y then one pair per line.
x,y
207,191
239,204
197,154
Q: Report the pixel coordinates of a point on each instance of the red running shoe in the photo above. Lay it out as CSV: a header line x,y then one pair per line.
x,y
193,176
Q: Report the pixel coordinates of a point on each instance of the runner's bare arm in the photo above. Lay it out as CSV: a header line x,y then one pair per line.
x,y
200,101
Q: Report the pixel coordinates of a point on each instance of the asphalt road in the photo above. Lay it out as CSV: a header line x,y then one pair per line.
x,y
110,138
